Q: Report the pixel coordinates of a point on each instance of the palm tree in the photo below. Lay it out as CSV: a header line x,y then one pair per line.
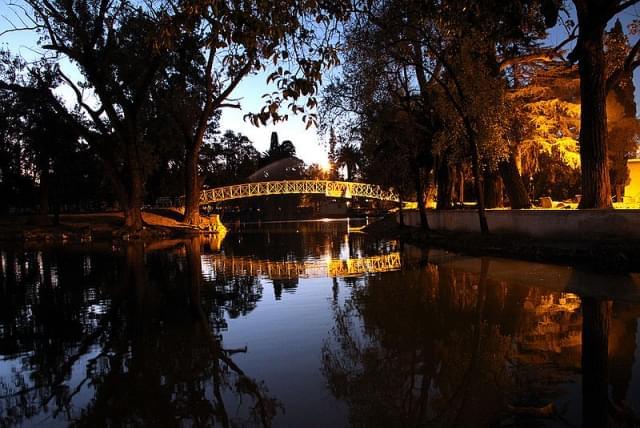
x,y
277,150
349,156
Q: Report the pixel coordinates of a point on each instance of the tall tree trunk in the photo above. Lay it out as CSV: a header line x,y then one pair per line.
x,y
596,318
445,179
492,190
192,186
596,188
477,181
45,180
420,193
513,184
44,188
133,216
133,209
461,185
619,192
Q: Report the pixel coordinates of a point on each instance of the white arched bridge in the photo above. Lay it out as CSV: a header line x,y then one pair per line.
x,y
332,189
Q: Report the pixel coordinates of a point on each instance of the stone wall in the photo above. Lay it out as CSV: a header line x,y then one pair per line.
x,y
563,224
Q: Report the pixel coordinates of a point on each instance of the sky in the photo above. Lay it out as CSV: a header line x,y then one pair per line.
x,y
309,144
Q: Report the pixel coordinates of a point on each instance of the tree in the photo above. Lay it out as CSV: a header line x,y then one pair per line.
x,y
547,112
490,37
333,143
623,128
45,142
239,158
241,38
349,156
278,151
378,86
110,43
447,59
589,53
393,139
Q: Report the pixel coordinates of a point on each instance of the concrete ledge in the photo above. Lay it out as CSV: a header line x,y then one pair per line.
x,y
564,224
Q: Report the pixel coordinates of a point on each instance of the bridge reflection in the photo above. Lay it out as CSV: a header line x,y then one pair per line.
x,y
215,264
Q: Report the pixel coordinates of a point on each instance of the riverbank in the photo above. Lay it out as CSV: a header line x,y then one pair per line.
x,y
608,255
81,228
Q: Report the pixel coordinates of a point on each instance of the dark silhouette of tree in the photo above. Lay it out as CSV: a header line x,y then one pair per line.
x,y
444,63
277,151
349,157
111,45
243,38
41,147
231,158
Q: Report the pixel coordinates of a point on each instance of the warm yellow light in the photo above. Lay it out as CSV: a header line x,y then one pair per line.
x,y
325,166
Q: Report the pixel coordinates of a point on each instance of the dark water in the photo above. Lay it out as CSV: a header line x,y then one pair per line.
x,y
303,324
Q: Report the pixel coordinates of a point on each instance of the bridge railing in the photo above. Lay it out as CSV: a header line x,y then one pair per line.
x,y
334,189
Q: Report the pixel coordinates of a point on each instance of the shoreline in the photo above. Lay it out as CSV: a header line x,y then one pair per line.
x,y
92,227
610,255
616,254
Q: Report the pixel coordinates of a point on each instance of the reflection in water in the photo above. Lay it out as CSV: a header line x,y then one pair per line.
x,y
214,265
455,348
196,332
140,345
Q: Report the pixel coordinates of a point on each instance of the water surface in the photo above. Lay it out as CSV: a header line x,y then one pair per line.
x,y
306,324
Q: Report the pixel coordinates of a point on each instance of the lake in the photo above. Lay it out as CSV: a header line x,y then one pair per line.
x,y
310,324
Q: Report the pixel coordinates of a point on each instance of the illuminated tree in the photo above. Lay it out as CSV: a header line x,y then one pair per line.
x,y
444,63
547,111
622,125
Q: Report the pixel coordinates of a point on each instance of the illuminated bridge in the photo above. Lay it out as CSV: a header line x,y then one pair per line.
x,y
332,189
213,264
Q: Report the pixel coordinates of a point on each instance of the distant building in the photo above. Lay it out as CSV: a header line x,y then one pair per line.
x,y
632,190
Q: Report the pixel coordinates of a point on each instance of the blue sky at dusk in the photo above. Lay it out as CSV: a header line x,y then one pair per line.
x,y
308,144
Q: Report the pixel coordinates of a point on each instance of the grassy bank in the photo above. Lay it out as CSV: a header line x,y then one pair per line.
x,y
611,255
91,227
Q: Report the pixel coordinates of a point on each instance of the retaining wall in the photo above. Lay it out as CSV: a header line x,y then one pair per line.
x,y
572,224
